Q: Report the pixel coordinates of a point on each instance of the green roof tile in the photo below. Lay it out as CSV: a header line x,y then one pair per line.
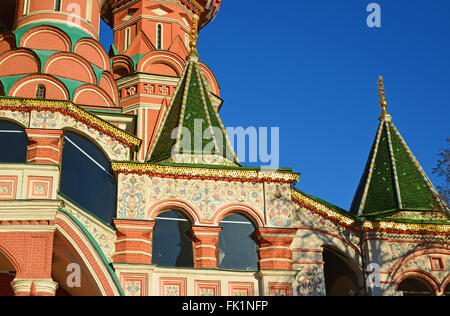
x,y
393,180
192,113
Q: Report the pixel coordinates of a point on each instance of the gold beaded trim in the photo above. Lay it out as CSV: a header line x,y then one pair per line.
x,y
322,208
214,174
71,109
383,225
407,227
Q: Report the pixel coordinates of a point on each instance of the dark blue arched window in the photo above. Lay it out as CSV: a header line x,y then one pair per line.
x,y
13,142
172,244
237,248
86,177
57,5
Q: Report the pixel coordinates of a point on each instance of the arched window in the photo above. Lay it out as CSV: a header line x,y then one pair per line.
x,y
237,248
89,10
40,92
186,40
86,177
172,244
7,275
14,141
127,39
341,279
416,287
26,7
159,36
58,5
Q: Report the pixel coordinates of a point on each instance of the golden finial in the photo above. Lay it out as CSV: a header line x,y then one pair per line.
x,y
382,97
193,35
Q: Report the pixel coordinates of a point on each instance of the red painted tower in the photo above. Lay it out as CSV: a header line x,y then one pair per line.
x,y
151,40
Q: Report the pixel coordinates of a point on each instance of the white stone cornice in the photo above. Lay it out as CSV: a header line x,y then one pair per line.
x,y
35,210
147,78
42,285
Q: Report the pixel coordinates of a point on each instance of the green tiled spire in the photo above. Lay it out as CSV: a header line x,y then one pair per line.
x,y
191,131
393,181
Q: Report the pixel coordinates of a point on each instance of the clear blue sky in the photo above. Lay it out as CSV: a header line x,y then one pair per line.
x,y
311,69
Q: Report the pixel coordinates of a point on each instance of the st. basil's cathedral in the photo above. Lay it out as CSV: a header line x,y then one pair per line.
x,y
95,201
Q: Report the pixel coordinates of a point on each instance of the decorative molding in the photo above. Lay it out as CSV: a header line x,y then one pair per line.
x,y
70,109
204,173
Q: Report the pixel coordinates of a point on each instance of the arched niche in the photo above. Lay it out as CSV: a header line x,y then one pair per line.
x,y
7,275
92,95
18,62
108,84
172,243
237,248
342,276
416,286
93,52
162,63
27,87
70,66
46,37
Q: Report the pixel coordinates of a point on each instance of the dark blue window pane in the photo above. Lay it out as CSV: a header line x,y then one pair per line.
x,y
86,177
172,245
237,249
14,142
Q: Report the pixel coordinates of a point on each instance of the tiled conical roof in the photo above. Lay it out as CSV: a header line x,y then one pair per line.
x,y
393,180
191,131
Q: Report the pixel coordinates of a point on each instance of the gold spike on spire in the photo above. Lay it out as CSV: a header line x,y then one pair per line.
x,y
382,97
193,36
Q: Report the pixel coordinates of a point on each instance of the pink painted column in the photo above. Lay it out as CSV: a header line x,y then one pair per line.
x,y
134,241
206,246
44,146
274,250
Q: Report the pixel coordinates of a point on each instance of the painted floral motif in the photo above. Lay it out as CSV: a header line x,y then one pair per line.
x,y
279,212
206,196
401,249
310,282
133,288
279,205
4,189
280,292
105,238
132,201
423,263
21,117
304,217
39,189
240,292
45,119
172,290
207,292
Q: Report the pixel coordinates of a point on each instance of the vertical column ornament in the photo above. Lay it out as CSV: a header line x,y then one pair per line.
x,y
44,146
206,246
134,241
34,287
274,248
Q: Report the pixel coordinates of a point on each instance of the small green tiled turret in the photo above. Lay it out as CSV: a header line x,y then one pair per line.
x,y
393,181
191,131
